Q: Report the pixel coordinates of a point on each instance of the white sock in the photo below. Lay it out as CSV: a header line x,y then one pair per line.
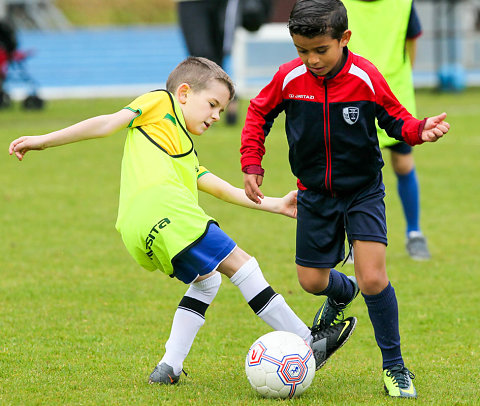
x,y
189,317
414,234
268,305
280,316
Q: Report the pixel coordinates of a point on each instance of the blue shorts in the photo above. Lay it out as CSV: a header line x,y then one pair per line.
x,y
322,222
400,148
204,255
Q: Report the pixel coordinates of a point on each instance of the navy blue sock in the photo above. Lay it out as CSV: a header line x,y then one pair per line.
x,y
383,312
339,288
409,193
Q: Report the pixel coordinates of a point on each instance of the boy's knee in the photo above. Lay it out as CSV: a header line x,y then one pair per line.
x,y
310,286
402,164
313,280
230,265
372,284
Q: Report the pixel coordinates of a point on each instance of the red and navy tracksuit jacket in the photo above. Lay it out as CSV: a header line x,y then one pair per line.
x,y
330,124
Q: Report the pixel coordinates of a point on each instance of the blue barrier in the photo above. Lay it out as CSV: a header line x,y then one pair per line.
x,y
101,56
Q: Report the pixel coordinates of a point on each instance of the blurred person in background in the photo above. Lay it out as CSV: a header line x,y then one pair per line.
x,y
208,27
8,46
394,55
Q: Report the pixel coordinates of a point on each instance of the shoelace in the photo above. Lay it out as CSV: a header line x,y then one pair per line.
x,y
339,307
339,317
400,376
319,331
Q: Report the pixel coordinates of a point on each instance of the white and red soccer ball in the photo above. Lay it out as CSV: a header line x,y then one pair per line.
x,y
280,365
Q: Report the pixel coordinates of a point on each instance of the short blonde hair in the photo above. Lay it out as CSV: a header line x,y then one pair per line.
x,y
198,72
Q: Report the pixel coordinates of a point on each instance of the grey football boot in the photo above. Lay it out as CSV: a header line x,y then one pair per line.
x,y
417,247
163,373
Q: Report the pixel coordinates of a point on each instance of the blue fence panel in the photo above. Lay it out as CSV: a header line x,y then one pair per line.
x,y
101,57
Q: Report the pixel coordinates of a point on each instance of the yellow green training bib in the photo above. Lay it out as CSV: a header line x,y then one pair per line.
x,y
379,30
158,213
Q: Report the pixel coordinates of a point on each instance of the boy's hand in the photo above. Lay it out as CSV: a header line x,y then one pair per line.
x,y
252,190
434,128
22,145
289,204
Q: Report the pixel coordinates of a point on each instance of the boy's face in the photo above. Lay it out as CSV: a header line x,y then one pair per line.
x,y
202,108
322,54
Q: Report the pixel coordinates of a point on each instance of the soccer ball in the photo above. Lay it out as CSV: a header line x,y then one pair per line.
x,y
280,364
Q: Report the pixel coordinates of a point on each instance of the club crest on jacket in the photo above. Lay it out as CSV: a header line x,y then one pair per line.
x,y
350,114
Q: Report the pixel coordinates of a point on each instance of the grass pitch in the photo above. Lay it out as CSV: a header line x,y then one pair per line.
x,y
81,323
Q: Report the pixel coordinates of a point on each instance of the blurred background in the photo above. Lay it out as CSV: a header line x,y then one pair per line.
x,y
88,48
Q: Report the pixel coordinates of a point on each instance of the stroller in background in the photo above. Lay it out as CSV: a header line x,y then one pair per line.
x,y
12,64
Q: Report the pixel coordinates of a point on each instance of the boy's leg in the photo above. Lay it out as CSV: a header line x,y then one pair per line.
x,y
320,245
245,273
339,288
380,299
367,229
189,317
382,306
409,192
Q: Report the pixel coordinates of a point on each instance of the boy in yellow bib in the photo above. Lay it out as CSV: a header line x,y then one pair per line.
x,y
159,218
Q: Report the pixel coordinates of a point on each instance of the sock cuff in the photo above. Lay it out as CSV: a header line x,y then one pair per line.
x,y
244,271
211,282
205,290
414,234
386,296
407,175
329,286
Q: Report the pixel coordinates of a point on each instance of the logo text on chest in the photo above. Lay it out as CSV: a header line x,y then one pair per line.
x,y
301,96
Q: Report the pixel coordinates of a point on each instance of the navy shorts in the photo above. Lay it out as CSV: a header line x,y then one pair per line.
x,y
322,222
400,148
204,256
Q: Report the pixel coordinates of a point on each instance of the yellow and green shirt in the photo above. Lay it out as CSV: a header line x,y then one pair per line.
x,y
158,213
379,32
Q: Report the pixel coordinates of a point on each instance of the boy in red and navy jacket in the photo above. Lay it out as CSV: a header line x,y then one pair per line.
x,y
331,98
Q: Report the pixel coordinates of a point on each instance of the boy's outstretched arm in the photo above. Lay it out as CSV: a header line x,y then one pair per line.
x,y
223,190
435,128
99,126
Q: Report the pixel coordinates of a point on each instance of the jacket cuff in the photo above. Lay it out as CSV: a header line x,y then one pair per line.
x,y
421,126
253,170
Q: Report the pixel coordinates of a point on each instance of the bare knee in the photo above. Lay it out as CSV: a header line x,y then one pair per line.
x,y
370,267
372,283
402,163
313,280
233,262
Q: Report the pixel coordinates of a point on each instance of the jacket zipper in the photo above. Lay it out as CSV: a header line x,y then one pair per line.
x,y
328,150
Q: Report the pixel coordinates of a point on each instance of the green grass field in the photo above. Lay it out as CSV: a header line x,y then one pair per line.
x,y
81,323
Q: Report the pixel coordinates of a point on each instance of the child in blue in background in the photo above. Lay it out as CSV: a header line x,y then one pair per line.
x,y
394,55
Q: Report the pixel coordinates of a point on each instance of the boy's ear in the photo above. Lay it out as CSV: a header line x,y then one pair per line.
x,y
345,38
182,92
